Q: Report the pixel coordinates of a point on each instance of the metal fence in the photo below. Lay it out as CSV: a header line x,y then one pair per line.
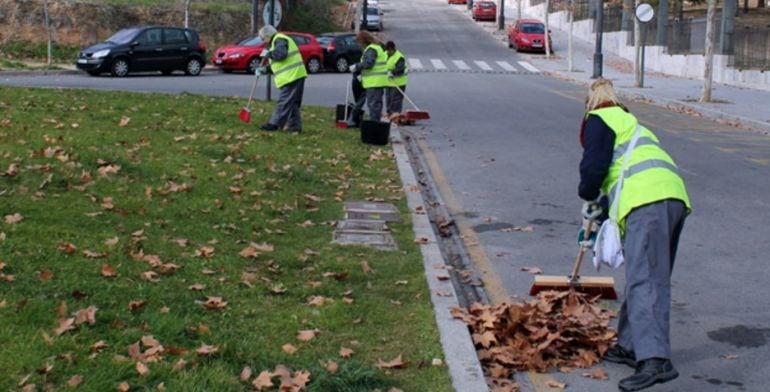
x,y
751,48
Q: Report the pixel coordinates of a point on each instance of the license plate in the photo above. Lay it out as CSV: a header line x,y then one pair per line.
x,y
537,45
82,61
218,61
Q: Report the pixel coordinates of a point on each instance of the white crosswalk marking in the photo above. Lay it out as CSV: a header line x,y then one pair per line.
x,y
438,64
529,67
504,65
415,64
483,65
461,64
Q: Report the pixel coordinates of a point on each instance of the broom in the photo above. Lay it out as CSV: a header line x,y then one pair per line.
x,y
604,287
415,114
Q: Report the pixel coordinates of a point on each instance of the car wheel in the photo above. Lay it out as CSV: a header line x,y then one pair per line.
x,y
193,67
119,67
342,64
313,65
253,65
510,44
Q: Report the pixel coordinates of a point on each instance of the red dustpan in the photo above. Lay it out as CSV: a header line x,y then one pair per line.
x,y
245,113
415,114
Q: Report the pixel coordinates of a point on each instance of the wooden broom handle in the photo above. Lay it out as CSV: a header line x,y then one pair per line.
x,y
579,259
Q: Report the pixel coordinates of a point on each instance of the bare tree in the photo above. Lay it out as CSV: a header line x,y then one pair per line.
x,y
187,13
49,59
571,10
547,31
709,66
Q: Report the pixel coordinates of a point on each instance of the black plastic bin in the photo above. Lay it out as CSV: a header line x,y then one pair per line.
x,y
375,132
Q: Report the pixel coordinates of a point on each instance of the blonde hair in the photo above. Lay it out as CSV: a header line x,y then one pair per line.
x,y
601,91
366,38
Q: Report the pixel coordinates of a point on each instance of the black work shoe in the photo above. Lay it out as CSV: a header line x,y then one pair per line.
x,y
618,354
294,130
648,373
268,127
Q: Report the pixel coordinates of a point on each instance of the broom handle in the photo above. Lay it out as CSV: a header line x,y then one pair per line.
x,y
579,259
254,86
347,97
407,98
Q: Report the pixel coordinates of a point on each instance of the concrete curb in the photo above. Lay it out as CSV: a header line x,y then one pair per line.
x,y
45,72
459,352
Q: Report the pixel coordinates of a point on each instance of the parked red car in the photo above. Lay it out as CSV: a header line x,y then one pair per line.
x,y
457,2
484,10
528,34
244,56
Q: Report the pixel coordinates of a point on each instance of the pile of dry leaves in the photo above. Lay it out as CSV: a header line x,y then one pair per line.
x,y
557,330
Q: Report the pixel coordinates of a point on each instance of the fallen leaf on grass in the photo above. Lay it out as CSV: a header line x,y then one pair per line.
x,y
402,282
249,252
107,271
264,380
346,352
205,251
245,374
87,315
396,363
366,268
150,276
111,241
65,324
196,287
93,255
67,248
317,301
75,380
135,305
214,303
330,366
306,335
597,374
142,369
288,348
437,362
179,365
124,387
45,275
98,346
13,218
206,350
124,121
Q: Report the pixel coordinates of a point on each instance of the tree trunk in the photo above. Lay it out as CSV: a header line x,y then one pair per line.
x,y
709,66
662,37
187,13
569,37
49,57
547,32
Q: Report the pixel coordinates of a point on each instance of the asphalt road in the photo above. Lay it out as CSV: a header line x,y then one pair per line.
x,y
504,152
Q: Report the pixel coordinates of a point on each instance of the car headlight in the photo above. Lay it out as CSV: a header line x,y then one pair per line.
x,y
101,53
236,55
524,40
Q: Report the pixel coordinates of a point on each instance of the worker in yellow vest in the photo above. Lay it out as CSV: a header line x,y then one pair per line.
x,y
289,75
649,207
374,72
397,76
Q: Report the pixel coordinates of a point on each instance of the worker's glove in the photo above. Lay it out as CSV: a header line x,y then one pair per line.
x,y
265,53
259,71
592,210
360,78
587,242
353,68
391,75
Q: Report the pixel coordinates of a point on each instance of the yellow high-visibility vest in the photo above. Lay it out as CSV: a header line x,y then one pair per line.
x,y
376,76
400,80
291,68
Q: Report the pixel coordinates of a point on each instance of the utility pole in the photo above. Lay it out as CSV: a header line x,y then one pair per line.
x,y
365,12
48,32
254,15
709,66
501,16
598,58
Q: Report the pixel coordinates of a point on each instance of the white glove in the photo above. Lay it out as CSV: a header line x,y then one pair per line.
x,y
391,75
264,53
592,210
353,68
360,78
258,71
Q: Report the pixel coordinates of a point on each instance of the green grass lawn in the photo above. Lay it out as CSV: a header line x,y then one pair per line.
x,y
191,232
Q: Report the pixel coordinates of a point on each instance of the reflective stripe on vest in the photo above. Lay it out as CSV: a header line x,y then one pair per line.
x,y
290,69
400,80
377,76
651,175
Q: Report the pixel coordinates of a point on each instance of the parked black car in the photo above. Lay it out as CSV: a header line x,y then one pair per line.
x,y
340,50
145,49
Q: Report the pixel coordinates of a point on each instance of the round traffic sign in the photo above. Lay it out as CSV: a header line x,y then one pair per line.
x,y
267,10
644,12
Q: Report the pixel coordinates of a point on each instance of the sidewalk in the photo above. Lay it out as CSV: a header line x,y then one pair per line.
x,y
740,107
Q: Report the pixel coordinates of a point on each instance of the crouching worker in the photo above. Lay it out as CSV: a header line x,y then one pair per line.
x,y
374,72
289,70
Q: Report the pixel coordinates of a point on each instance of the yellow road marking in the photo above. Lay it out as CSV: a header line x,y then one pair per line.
x,y
763,162
728,150
492,284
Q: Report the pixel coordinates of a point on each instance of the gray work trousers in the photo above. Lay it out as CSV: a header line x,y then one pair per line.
x,y
374,102
395,99
649,246
287,111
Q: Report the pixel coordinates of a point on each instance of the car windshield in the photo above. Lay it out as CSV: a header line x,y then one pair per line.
x,y
533,28
487,5
372,11
123,36
323,40
253,41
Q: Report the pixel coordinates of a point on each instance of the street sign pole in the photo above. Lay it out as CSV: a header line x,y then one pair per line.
x,y
644,14
501,22
272,23
598,58
365,15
